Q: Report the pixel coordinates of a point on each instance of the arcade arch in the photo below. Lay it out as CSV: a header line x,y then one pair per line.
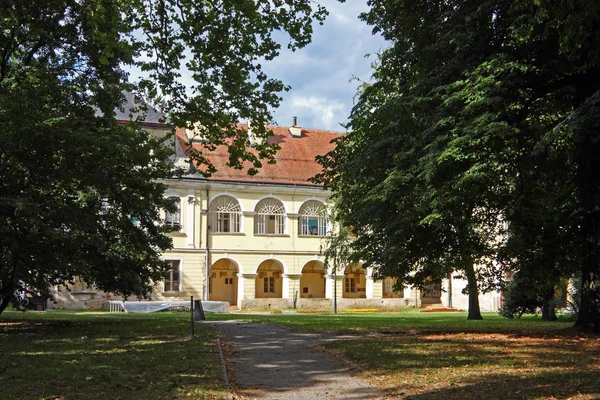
x,y
312,281
269,280
355,282
223,284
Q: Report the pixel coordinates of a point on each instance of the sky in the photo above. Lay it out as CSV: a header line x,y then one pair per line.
x,y
324,75
321,75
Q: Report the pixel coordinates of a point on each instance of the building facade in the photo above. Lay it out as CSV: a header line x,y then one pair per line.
x,y
255,241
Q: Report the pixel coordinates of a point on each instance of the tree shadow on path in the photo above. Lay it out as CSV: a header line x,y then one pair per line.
x,y
270,362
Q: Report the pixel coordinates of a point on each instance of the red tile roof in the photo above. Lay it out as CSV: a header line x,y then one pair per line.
x,y
294,163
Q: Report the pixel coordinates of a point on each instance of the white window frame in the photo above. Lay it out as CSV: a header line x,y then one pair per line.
x,y
225,215
270,209
313,220
174,219
180,274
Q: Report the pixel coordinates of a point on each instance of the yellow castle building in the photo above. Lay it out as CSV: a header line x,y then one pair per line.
x,y
255,241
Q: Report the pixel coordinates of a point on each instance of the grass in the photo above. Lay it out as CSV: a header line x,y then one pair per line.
x,y
95,355
480,365
444,356
400,322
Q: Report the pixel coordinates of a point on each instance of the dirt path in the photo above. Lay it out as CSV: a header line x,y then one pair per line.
x,y
267,361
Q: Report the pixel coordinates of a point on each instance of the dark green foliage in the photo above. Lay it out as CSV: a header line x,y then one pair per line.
x,y
519,299
71,178
481,113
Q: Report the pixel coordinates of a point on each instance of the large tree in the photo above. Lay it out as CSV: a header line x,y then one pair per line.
x,y
406,174
79,192
474,107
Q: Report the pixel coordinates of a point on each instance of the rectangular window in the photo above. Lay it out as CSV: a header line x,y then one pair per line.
x,y
172,280
269,285
350,285
313,226
388,285
174,219
270,224
223,222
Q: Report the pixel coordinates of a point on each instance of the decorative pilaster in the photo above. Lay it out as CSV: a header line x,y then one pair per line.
x,y
329,286
369,286
290,284
246,286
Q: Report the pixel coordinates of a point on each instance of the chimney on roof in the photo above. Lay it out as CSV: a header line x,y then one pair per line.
x,y
295,130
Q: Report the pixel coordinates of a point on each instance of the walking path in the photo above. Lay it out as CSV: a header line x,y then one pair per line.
x,y
270,362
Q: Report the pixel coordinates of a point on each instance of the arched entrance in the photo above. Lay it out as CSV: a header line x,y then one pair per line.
x,y
223,285
312,281
269,280
355,283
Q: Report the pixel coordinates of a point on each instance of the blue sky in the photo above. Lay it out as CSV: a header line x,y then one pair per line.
x,y
325,75
321,74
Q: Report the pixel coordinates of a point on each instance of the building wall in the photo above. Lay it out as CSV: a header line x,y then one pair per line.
x,y
197,250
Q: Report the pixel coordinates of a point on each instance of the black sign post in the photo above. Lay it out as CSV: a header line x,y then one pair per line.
x,y
192,316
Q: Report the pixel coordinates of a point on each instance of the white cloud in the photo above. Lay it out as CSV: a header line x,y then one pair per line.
x,y
321,75
320,110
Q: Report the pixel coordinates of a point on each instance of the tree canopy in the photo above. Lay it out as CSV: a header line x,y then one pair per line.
x,y
78,191
468,147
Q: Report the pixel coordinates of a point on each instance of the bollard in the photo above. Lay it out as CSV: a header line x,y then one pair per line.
x,y
199,311
192,316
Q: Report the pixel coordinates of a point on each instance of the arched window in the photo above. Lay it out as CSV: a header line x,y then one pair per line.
x,y
173,219
225,212
270,217
313,220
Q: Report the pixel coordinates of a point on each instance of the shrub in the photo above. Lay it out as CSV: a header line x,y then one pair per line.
x,y
519,299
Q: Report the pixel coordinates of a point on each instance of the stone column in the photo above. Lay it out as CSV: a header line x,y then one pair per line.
x,y
446,293
369,286
290,284
246,286
329,286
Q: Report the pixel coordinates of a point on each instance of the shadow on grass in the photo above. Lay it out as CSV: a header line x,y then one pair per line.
x,y
482,366
545,385
108,358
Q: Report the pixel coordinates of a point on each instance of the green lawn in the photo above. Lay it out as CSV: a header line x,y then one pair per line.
x,y
400,322
453,366
96,355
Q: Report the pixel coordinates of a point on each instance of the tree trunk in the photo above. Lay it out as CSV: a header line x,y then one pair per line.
x,y
548,310
589,309
474,311
4,301
588,177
